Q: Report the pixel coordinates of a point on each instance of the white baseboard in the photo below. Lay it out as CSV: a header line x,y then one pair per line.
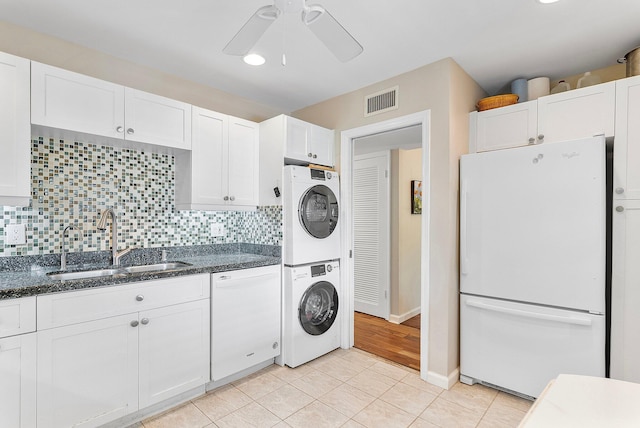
x,y
399,319
445,382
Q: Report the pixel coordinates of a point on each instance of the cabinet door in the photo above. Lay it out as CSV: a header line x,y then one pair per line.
x,y
297,144
15,131
174,350
18,385
577,114
209,167
321,142
626,153
243,162
625,292
245,319
87,373
66,100
502,128
157,120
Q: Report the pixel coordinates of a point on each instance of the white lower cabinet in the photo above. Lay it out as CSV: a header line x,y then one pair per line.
x,y
173,351
93,371
87,373
245,318
18,381
625,292
18,362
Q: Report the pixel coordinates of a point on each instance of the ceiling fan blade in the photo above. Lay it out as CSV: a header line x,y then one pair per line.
x,y
331,33
252,30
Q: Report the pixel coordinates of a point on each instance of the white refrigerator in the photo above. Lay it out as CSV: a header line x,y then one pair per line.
x,y
532,264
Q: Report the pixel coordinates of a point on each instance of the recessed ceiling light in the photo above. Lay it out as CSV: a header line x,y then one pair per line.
x,y
254,59
547,1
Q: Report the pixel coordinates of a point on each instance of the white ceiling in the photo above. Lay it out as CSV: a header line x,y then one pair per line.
x,y
495,41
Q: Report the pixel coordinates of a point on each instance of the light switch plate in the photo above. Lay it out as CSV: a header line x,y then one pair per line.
x,y
15,234
217,229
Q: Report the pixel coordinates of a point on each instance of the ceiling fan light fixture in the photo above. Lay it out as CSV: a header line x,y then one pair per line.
x,y
270,12
311,13
254,59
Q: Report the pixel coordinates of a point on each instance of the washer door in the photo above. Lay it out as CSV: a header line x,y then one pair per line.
x,y
318,211
318,308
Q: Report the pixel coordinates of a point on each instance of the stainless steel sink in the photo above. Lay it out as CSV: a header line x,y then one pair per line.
x,y
85,274
120,272
160,267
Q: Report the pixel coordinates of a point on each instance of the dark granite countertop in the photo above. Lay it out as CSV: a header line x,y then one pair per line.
x,y
27,275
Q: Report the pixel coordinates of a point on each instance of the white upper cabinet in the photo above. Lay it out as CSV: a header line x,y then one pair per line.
x,y
221,171
71,101
243,162
565,116
307,143
577,114
287,140
626,153
501,128
66,100
15,131
153,119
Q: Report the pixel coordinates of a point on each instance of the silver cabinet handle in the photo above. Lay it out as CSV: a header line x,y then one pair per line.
x,y
232,198
139,297
540,137
144,321
310,154
134,323
226,198
619,190
532,140
130,131
315,156
119,129
619,209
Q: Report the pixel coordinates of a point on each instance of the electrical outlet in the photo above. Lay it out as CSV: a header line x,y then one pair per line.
x,y
15,234
217,229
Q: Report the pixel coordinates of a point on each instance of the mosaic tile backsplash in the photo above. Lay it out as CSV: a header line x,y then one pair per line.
x,y
72,182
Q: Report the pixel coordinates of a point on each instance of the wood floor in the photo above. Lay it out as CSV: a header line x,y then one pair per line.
x,y
395,342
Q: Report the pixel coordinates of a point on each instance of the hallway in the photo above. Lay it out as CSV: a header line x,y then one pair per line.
x,y
396,342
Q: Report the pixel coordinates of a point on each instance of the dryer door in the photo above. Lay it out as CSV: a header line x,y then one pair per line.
x,y
318,211
318,308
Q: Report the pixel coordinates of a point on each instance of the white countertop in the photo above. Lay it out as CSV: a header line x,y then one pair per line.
x,y
584,402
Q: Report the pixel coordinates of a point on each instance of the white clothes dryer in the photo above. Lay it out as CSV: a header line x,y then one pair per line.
x,y
310,215
311,317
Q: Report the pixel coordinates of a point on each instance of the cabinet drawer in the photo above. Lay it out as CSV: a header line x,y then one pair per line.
x,y
17,316
60,309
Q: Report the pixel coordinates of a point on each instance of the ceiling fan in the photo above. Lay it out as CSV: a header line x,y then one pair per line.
x,y
315,17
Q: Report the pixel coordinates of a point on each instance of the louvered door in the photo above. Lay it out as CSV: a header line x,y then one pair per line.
x,y
371,225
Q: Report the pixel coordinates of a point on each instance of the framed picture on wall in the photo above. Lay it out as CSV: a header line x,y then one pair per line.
x,y
416,197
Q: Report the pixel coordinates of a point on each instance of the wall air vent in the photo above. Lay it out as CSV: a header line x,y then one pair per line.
x,y
381,101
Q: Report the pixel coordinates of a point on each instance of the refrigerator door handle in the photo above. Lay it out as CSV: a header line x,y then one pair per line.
x,y
527,314
464,262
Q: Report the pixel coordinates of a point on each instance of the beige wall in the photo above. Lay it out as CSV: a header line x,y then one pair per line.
x,y
405,287
450,94
49,50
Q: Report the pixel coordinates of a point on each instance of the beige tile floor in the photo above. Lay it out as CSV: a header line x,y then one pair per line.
x,y
346,388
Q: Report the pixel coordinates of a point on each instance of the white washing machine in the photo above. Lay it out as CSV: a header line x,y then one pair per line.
x,y
310,215
311,316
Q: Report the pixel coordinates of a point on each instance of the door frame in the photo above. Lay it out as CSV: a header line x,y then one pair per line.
x,y
423,119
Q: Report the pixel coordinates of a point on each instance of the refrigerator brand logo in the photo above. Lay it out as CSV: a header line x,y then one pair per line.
x,y
570,155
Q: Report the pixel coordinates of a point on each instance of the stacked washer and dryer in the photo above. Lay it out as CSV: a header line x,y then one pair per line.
x,y
311,247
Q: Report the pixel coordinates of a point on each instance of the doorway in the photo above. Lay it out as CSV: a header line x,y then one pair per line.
x,y
348,141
